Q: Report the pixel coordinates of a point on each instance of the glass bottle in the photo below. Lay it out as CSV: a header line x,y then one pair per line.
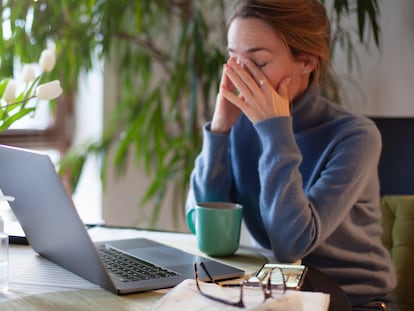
x,y
4,257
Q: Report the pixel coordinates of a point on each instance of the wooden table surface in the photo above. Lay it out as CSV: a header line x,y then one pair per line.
x,y
30,291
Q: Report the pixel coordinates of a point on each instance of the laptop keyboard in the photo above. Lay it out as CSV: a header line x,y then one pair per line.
x,y
128,268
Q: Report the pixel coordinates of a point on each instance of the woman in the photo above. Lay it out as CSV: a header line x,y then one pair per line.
x,y
304,169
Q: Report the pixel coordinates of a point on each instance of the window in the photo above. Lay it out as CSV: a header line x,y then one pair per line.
x,y
76,118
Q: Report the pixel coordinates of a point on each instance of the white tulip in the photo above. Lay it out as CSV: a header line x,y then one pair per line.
x,y
47,60
49,90
10,92
29,73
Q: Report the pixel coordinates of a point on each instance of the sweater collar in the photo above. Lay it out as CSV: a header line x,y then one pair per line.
x,y
307,110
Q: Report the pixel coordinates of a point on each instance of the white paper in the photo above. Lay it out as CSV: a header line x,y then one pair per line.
x,y
31,274
185,296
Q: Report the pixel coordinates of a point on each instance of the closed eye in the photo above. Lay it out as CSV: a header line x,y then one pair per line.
x,y
260,65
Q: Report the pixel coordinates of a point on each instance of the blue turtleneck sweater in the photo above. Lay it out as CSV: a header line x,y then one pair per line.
x,y
309,189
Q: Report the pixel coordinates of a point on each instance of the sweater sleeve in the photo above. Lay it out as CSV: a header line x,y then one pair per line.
x,y
211,177
308,219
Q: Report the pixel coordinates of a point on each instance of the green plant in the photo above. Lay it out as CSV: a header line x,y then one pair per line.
x,y
344,16
169,56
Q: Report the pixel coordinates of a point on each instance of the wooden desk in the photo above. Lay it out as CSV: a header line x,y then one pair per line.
x,y
31,291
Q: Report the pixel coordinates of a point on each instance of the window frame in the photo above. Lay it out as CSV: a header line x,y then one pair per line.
x,y
55,136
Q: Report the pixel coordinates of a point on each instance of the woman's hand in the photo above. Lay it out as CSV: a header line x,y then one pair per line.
x,y
257,98
225,113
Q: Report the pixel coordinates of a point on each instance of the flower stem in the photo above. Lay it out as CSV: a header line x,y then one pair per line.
x,y
18,102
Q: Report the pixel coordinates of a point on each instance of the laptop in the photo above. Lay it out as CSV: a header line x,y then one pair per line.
x,y
55,231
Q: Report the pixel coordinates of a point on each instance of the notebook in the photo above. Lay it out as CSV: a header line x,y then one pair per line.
x,y
55,231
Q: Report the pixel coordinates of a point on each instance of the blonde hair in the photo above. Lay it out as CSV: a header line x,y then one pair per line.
x,y
302,24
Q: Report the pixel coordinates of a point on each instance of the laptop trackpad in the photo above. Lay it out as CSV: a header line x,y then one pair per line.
x,y
162,255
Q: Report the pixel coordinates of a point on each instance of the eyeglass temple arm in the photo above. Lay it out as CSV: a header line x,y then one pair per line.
x,y
239,304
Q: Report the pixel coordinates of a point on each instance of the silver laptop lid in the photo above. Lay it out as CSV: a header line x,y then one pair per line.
x,y
55,233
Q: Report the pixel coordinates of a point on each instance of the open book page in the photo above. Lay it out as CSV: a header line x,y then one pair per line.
x,y
185,296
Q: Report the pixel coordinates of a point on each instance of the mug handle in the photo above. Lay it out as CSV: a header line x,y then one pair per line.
x,y
190,220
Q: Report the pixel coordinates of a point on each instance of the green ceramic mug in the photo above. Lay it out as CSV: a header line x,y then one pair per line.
x,y
217,227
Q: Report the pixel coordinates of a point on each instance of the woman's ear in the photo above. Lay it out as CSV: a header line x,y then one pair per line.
x,y
309,63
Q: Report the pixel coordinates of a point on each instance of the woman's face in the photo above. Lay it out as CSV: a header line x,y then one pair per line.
x,y
250,38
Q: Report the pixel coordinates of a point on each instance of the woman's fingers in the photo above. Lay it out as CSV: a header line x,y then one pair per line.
x,y
233,98
243,81
256,97
256,73
225,82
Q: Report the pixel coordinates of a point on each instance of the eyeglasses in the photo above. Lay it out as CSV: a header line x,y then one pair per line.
x,y
253,291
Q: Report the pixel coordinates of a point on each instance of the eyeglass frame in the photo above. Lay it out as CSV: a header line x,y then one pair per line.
x,y
266,289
